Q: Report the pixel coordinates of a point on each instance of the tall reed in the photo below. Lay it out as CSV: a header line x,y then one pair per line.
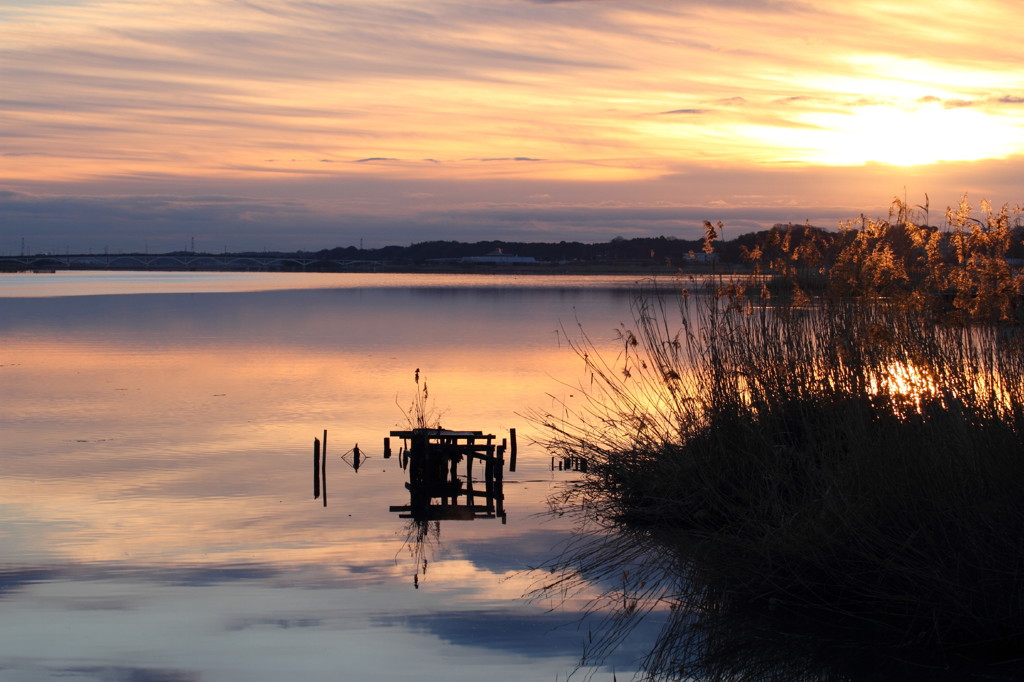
x,y
851,460
960,273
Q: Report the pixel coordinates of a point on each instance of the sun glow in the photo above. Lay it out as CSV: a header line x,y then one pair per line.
x,y
920,134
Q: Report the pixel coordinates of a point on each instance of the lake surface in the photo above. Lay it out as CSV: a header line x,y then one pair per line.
x,y
157,521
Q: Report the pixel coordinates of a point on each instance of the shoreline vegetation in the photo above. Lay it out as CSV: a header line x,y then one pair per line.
x,y
817,477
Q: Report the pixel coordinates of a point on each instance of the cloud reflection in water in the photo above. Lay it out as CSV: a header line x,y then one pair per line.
x,y
157,518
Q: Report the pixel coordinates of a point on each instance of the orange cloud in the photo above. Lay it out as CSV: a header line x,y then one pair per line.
x,y
349,105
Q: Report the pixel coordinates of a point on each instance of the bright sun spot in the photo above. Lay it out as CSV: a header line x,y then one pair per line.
x,y
905,136
923,134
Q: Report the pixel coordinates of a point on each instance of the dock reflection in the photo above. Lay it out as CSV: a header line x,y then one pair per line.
x,y
451,476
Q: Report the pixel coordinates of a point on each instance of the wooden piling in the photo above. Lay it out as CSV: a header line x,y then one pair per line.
x,y
499,487
489,476
512,453
470,493
323,468
316,468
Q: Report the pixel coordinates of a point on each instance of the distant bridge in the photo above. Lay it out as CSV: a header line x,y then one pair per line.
x,y
172,262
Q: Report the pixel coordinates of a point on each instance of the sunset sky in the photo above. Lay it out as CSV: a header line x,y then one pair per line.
x,y
133,125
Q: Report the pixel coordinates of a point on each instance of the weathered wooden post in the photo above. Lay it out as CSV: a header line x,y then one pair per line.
x,y
323,468
499,485
512,454
316,468
489,476
387,448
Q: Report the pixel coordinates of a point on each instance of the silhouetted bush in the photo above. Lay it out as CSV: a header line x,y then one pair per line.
x,y
855,456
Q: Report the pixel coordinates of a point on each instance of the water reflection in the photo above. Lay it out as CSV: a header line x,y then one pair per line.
x,y
705,632
441,485
156,486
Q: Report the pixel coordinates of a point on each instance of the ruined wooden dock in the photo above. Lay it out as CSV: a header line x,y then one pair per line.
x,y
442,483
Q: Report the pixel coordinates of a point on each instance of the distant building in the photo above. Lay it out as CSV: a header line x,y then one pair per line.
x,y
499,256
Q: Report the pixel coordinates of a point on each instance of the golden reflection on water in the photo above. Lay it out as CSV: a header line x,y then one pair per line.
x,y
911,387
194,445
211,443
909,384
154,443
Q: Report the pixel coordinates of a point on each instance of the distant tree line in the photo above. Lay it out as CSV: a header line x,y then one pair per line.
x,y
662,250
659,248
804,246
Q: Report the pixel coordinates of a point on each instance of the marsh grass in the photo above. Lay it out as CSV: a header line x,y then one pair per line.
x,y
422,412
848,460
960,273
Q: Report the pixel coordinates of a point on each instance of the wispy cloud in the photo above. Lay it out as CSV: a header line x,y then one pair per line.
x,y
402,210
115,93
508,158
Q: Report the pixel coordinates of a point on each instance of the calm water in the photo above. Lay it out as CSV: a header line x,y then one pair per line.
x,y
156,510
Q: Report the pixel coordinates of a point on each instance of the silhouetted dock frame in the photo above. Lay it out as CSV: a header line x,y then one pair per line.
x,y
433,458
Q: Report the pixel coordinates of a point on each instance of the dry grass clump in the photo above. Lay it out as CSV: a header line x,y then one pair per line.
x,y
957,274
853,461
